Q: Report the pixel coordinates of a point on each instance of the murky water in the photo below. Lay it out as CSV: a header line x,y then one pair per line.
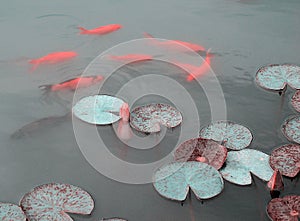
x,y
244,35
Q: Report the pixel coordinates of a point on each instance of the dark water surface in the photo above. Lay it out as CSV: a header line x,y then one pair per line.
x,y
244,35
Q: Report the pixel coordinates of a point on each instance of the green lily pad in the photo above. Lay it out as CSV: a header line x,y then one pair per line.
x,y
11,212
98,109
276,77
291,129
240,165
53,201
229,134
174,180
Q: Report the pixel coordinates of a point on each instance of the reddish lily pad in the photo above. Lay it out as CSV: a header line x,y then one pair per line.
x,y
276,77
231,135
98,109
11,212
201,150
148,118
174,180
286,159
53,201
284,209
240,165
296,101
291,129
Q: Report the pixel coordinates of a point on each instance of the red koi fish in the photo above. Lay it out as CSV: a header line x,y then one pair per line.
x,y
276,182
72,84
100,30
131,57
196,71
124,112
174,43
53,58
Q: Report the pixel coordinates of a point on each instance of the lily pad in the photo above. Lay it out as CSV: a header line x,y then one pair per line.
x,y
98,109
53,201
174,180
201,150
149,118
286,159
291,129
296,101
240,165
11,212
231,135
284,209
276,77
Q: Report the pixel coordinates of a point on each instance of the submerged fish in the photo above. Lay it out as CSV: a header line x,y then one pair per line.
x,y
131,57
100,30
73,84
36,126
174,43
53,58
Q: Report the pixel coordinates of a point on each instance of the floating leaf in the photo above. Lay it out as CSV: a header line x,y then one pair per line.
x,y
276,77
174,180
231,135
98,109
53,201
113,219
284,209
239,164
201,150
11,212
296,101
148,118
291,129
286,159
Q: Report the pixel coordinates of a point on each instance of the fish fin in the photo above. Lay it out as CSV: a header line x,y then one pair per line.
x,y
35,63
147,35
82,30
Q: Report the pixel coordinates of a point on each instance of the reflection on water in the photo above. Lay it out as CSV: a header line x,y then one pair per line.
x,y
46,150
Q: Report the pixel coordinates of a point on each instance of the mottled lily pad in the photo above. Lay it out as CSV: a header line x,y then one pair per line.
x,y
174,180
291,129
98,109
296,101
53,201
229,134
201,150
276,77
284,209
240,165
11,212
149,118
286,159
113,219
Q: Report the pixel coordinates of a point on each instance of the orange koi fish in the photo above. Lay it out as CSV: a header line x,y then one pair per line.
x,y
174,43
100,30
131,57
53,58
72,84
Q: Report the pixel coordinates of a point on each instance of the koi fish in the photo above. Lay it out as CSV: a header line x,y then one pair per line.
x,y
72,84
124,112
53,58
131,57
205,67
100,30
174,43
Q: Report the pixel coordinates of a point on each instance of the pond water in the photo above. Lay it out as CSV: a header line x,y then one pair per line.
x,y
243,36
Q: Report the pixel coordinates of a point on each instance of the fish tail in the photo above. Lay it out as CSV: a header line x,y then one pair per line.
x,y
82,30
147,35
35,64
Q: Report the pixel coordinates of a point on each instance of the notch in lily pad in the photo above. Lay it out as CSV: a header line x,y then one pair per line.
x,y
286,159
284,209
201,150
241,164
276,77
11,212
291,129
229,134
149,118
53,201
98,109
173,181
